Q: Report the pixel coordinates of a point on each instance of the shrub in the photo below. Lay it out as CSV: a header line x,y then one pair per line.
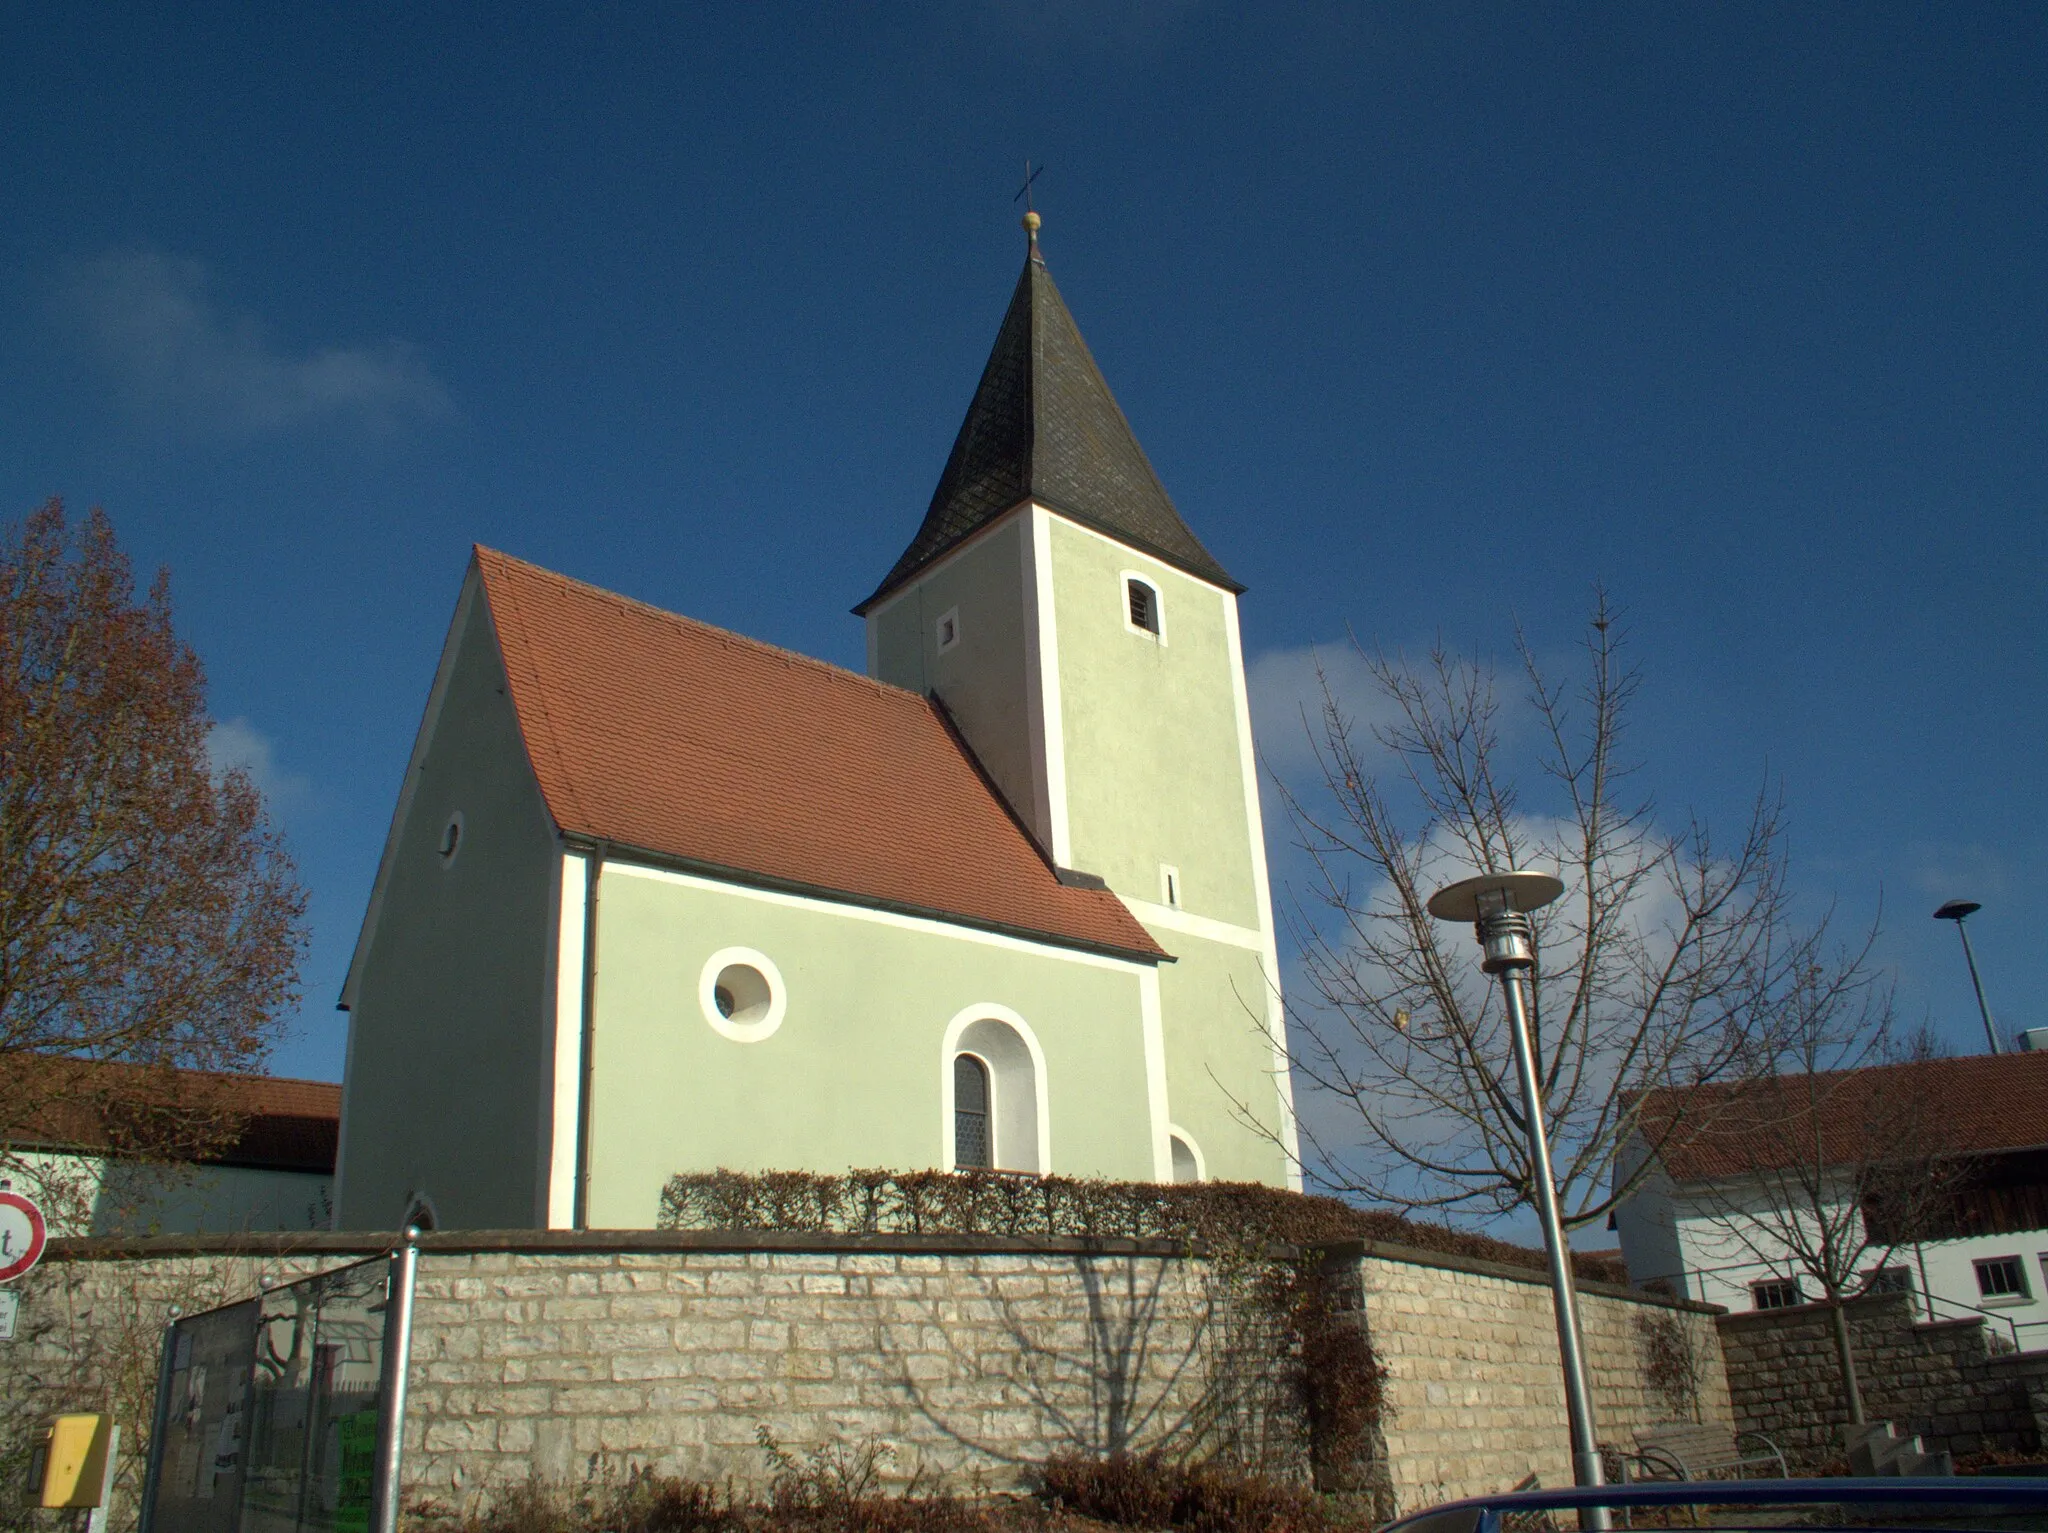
x,y
1234,1215
1149,1490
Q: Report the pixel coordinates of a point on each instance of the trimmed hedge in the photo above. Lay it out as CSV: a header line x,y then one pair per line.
x,y
1232,1215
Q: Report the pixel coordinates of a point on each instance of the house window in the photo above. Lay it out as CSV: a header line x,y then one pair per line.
x,y
949,629
2002,1277
1775,1293
1888,1280
971,1141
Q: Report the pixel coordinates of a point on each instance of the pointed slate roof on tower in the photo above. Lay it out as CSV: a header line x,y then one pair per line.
x,y
1043,426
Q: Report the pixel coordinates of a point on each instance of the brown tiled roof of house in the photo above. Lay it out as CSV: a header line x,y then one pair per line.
x,y
79,1105
666,736
1979,1104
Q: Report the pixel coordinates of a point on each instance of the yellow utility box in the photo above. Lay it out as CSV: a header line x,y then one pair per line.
x,y
73,1463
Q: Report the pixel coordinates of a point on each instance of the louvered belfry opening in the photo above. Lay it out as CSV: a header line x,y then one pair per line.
x,y
971,1145
1144,606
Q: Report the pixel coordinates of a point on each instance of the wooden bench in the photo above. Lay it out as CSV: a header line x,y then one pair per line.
x,y
1691,1450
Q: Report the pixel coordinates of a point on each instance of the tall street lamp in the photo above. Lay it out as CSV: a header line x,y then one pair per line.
x,y
1498,904
1959,911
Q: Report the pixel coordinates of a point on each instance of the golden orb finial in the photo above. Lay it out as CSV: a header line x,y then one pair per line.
x,y
1031,222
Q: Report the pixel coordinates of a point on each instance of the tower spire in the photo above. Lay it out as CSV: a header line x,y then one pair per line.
x,y
1044,427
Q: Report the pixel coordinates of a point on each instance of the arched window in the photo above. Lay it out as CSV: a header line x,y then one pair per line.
x,y
972,1146
995,1105
1188,1165
1143,599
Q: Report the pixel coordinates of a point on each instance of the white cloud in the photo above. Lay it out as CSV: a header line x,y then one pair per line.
x,y
238,743
1286,698
1949,870
181,359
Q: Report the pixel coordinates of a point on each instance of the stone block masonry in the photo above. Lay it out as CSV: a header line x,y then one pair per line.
x,y
1474,1387
973,1359
967,1364
1939,1379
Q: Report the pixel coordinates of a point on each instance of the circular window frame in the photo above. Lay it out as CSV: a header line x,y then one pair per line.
x,y
460,826
761,1027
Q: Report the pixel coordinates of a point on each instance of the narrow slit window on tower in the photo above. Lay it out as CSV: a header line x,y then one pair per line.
x,y
971,1146
949,629
1144,601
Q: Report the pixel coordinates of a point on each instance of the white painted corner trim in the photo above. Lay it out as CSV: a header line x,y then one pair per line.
x,y
1205,927
566,1098
1051,730
949,1046
616,866
1152,1022
1276,1007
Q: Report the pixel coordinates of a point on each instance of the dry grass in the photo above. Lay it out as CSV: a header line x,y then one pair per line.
x,y
838,1490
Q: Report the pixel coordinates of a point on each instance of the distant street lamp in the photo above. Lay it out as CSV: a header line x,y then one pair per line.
x,y
1498,904
1959,911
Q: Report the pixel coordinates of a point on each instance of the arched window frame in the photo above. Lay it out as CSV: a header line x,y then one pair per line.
x,y
1125,580
988,1105
1175,1132
950,1046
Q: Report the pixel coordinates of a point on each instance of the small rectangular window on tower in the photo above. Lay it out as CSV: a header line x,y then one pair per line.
x,y
1144,605
1169,886
949,629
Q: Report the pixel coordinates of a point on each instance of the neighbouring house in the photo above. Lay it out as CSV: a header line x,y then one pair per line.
x,y
1984,1248
659,898
267,1162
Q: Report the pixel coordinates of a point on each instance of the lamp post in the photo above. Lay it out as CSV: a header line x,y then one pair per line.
x,y
1498,904
1959,911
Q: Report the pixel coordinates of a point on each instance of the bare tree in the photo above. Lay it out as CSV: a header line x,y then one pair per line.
x,y
1822,1168
150,919
1661,968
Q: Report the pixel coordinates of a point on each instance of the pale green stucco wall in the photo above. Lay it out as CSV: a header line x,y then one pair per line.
x,y
451,1048
852,1078
1213,1003
982,678
1153,769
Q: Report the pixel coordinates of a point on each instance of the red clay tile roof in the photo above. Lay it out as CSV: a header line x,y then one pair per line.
x,y
671,737
284,1124
1980,1103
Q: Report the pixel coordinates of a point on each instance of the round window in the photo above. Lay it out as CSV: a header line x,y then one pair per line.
x,y
741,994
451,840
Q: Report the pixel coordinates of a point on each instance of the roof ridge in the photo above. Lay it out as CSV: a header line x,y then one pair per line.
x,y
726,635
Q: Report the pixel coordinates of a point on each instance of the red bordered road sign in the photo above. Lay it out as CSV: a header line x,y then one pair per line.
x,y
22,1235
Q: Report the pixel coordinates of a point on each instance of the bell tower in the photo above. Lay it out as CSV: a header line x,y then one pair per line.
x,y
1085,644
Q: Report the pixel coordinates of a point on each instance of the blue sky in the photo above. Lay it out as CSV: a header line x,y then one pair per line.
x,y
1430,317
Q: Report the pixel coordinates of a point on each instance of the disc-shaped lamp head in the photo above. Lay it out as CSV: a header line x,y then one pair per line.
x,y
1498,905
1468,898
1955,910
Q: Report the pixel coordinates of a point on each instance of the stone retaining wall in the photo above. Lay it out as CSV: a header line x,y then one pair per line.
x,y
1938,1378
971,1359
1474,1383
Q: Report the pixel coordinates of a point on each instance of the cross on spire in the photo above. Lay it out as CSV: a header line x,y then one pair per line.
x,y
1030,212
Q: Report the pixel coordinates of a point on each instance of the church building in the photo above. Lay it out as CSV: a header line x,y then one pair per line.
x,y
659,898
